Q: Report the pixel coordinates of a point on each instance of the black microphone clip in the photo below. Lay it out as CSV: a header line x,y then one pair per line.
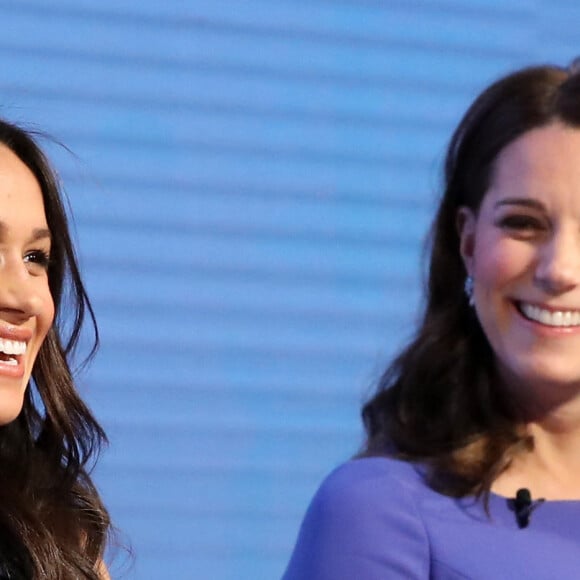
x,y
523,506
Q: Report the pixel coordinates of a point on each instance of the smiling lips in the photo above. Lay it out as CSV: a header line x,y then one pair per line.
x,y
13,345
554,318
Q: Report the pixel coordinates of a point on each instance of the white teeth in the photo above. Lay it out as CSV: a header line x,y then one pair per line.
x,y
550,317
12,362
16,347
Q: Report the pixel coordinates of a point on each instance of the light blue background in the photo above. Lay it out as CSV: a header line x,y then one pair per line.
x,y
251,183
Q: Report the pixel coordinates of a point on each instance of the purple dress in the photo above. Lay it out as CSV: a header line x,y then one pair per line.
x,y
375,519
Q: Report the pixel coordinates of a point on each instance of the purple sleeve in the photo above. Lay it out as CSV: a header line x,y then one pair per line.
x,y
361,524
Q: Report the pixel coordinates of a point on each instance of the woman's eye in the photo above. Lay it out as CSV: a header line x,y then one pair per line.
x,y
522,223
38,258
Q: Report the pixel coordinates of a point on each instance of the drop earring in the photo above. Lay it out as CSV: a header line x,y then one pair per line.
x,y
468,289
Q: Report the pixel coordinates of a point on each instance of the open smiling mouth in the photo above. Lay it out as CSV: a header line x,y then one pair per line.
x,y
553,318
11,351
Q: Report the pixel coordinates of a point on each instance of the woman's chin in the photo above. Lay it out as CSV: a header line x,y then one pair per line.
x,y
10,407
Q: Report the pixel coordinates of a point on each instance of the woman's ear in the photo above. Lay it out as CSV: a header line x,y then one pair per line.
x,y
465,223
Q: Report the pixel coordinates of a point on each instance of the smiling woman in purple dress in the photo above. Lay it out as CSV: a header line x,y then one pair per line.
x,y
472,463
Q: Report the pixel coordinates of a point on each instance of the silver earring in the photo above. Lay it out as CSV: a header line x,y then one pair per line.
x,y
468,289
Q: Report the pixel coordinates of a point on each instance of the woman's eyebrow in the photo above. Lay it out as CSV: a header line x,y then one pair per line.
x,y
40,234
523,201
37,233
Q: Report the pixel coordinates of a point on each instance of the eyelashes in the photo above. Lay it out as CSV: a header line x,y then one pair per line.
x,y
38,259
521,222
522,225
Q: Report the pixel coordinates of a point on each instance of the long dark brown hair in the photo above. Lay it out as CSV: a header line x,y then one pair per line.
x,y
52,521
440,401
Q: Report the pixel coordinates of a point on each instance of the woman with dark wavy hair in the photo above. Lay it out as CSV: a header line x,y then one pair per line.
x,y
53,524
471,467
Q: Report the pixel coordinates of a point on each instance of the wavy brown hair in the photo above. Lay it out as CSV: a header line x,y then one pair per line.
x,y
53,524
440,402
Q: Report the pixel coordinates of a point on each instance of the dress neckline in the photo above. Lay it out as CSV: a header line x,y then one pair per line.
x,y
496,497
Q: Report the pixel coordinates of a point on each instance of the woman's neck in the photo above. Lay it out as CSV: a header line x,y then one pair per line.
x,y
550,466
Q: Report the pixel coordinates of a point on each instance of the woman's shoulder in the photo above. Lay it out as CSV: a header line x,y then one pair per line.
x,y
374,476
380,466
371,494
362,510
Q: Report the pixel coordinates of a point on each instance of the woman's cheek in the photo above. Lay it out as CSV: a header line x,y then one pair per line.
x,y
503,261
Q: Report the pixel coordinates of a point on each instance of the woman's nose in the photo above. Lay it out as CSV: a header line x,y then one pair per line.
x,y
18,293
558,268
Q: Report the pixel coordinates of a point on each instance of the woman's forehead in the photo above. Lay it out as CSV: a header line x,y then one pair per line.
x,y
21,199
543,163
